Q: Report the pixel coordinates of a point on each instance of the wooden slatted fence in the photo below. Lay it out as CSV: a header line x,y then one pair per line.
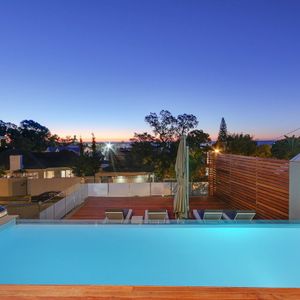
x,y
245,182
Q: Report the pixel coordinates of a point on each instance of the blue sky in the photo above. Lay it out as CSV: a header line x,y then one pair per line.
x,y
101,66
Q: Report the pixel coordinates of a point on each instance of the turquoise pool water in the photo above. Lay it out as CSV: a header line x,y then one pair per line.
x,y
181,255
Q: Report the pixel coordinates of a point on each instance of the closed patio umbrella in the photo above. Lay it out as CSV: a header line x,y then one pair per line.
x,y
181,199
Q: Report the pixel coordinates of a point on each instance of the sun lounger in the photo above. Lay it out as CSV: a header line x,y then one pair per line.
x,y
207,215
3,211
239,215
156,216
117,216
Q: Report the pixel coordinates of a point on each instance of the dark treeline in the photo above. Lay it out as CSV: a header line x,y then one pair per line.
x,y
154,151
30,136
244,144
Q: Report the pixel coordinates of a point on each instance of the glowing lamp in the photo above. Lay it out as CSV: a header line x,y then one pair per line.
x,y
108,146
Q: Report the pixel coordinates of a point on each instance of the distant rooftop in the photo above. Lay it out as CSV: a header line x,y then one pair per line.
x,y
42,160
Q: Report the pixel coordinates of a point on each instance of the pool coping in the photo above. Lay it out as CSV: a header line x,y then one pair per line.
x,y
171,224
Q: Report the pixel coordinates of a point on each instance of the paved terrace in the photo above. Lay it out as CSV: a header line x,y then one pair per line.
x,y
94,207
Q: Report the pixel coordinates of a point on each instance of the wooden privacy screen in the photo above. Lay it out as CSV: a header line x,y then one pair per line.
x,y
245,182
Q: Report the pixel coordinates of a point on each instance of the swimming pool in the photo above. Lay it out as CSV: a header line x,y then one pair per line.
x,y
163,255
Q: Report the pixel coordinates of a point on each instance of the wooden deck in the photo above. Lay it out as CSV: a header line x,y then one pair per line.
x,y
94,207
47,292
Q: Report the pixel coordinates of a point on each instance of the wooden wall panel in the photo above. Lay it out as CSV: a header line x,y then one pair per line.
x,y
244,182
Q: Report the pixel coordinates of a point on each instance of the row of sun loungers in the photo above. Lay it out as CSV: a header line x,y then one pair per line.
x,y
124,216
215,215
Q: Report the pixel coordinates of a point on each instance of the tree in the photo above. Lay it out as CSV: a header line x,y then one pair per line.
x,y
263,151
157,152
143,154
222,136
68,140
2,171
81,147
199,145
54,140
3,133
168,128
242,144
94,146
88,164
36,134
198,138
286,148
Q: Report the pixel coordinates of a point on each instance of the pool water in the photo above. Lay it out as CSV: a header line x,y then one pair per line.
x,y
163,255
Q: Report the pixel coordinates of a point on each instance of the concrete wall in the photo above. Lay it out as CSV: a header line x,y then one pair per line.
x,y
12,187
39,186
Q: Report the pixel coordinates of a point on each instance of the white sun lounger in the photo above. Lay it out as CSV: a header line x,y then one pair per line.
x,y
239,215
207,215
3,211
156,216
117,216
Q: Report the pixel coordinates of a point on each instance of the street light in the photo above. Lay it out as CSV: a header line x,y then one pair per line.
x,y
108,146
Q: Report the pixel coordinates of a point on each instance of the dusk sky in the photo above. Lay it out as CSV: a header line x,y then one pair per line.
x,y
100,66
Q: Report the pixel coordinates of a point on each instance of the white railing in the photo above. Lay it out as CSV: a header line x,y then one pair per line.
x,y
75,195
143,189
130,189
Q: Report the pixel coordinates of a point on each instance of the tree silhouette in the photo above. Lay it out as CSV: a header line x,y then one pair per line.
x,y
222,136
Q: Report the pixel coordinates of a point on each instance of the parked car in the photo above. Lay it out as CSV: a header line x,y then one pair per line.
x,y
44,196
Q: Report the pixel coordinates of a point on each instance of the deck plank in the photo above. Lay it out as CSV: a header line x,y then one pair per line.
x,y
60,292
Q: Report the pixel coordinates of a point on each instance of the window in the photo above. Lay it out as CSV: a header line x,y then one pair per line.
x,y
32,175
66,173
48,174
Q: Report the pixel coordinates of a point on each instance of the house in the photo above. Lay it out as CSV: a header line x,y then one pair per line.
x,y
37,165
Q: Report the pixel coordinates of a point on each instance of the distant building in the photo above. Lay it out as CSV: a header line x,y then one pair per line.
x,y
36,165
72,148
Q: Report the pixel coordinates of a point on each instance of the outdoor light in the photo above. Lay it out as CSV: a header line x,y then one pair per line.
x,y
217,150
108,146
